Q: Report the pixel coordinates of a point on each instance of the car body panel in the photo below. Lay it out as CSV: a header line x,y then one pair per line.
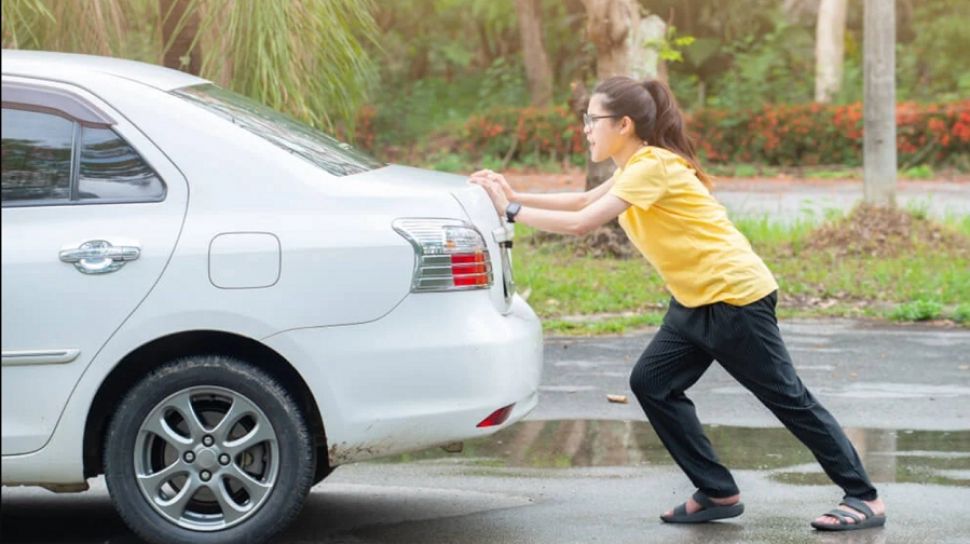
x,y
49,305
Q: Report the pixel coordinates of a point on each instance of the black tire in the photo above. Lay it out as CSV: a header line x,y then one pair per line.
x,y
294,464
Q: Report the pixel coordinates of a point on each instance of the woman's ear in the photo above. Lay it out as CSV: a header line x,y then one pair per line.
x,y
627,126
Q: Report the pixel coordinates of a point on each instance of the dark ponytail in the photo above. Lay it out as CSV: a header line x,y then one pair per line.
x,y
654,112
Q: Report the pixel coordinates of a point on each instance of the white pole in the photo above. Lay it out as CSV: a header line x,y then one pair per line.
x,y
879,155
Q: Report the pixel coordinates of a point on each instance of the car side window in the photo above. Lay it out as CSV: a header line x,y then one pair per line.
x,y
36,156
110,169
52,159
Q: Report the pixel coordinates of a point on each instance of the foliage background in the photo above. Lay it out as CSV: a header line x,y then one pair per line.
x,y
740,61
428,81
313,59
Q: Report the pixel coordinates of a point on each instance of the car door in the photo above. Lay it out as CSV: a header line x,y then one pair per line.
x,y
91,215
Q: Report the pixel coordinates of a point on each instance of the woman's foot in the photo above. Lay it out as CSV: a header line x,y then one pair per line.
x,y
700,509
694,506
877,506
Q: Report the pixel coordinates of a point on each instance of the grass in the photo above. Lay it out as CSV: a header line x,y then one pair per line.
x,y
918,310
962,314
959,223
838,173
580,295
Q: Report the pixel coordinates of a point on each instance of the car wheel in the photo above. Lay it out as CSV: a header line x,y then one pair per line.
x,y
208,450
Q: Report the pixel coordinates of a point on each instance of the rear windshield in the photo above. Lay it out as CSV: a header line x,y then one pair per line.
x,y
335,157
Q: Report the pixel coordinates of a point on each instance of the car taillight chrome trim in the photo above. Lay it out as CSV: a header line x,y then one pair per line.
x,y
451,255
504,236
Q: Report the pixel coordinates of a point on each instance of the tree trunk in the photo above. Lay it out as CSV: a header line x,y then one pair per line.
x,y
612,26
419,66
797,11
486,54
879,135
829,49
609,24
645,60
537,71
178,56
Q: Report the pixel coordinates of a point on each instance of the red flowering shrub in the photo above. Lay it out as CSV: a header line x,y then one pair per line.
x,y
552,131
811,134
780,134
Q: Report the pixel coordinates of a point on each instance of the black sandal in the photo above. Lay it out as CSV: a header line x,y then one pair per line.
x,y
867,520
709,511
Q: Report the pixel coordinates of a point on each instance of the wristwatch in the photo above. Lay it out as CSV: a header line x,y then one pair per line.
x,y
512,210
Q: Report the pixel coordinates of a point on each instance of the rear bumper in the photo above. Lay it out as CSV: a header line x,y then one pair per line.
x,y
425,374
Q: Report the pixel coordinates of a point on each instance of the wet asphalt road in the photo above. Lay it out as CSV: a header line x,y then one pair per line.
x,y
581,469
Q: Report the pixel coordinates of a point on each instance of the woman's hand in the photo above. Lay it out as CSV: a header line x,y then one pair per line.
x,y
494,190
510,193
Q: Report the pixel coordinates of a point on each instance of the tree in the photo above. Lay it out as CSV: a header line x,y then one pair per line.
x,y
650,48
879,104
537,70
609,26
829,49
304,57
627,44
178,51
89,27
797,10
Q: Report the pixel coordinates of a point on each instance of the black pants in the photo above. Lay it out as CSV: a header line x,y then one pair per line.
x,y
747,343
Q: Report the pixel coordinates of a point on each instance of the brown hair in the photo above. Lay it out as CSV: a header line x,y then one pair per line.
x,y
655,114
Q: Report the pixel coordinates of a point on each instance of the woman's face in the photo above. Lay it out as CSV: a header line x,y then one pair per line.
x,y
603,133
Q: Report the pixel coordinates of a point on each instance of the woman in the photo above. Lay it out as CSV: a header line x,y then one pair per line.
x,y
723,303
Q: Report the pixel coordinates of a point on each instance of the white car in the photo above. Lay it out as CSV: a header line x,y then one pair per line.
x,y
214,305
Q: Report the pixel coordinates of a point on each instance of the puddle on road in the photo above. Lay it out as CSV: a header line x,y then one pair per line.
x,y
928,457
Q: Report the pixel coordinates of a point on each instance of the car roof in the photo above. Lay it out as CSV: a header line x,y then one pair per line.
x,y
50,65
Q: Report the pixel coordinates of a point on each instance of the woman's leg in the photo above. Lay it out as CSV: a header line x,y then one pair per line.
x,y
753,352
667,368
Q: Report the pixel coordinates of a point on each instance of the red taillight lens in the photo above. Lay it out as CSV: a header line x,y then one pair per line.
x,y
470,269
498,417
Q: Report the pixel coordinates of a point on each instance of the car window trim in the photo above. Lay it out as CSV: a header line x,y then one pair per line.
x,y
67,104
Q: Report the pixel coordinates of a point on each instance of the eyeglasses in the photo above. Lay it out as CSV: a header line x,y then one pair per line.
x,y
588,119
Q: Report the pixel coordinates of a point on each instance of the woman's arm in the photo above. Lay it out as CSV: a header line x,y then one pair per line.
x,y
571,201
577,223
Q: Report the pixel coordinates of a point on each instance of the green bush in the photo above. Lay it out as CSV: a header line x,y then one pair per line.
x,y
962,314
449,162
918,310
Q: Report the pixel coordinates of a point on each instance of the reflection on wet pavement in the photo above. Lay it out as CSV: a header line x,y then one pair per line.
x,y
927,457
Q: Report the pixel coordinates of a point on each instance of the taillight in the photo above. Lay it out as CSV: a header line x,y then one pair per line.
x,y
451,254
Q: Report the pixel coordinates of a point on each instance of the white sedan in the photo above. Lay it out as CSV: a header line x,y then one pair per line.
x,y
214,305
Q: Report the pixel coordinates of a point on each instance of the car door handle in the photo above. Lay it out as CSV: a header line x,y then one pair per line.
x,y
99,256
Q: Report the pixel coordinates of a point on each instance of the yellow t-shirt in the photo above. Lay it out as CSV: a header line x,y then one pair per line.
x,y
685,233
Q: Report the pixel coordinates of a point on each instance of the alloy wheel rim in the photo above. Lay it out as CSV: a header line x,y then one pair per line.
x,y
206,458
